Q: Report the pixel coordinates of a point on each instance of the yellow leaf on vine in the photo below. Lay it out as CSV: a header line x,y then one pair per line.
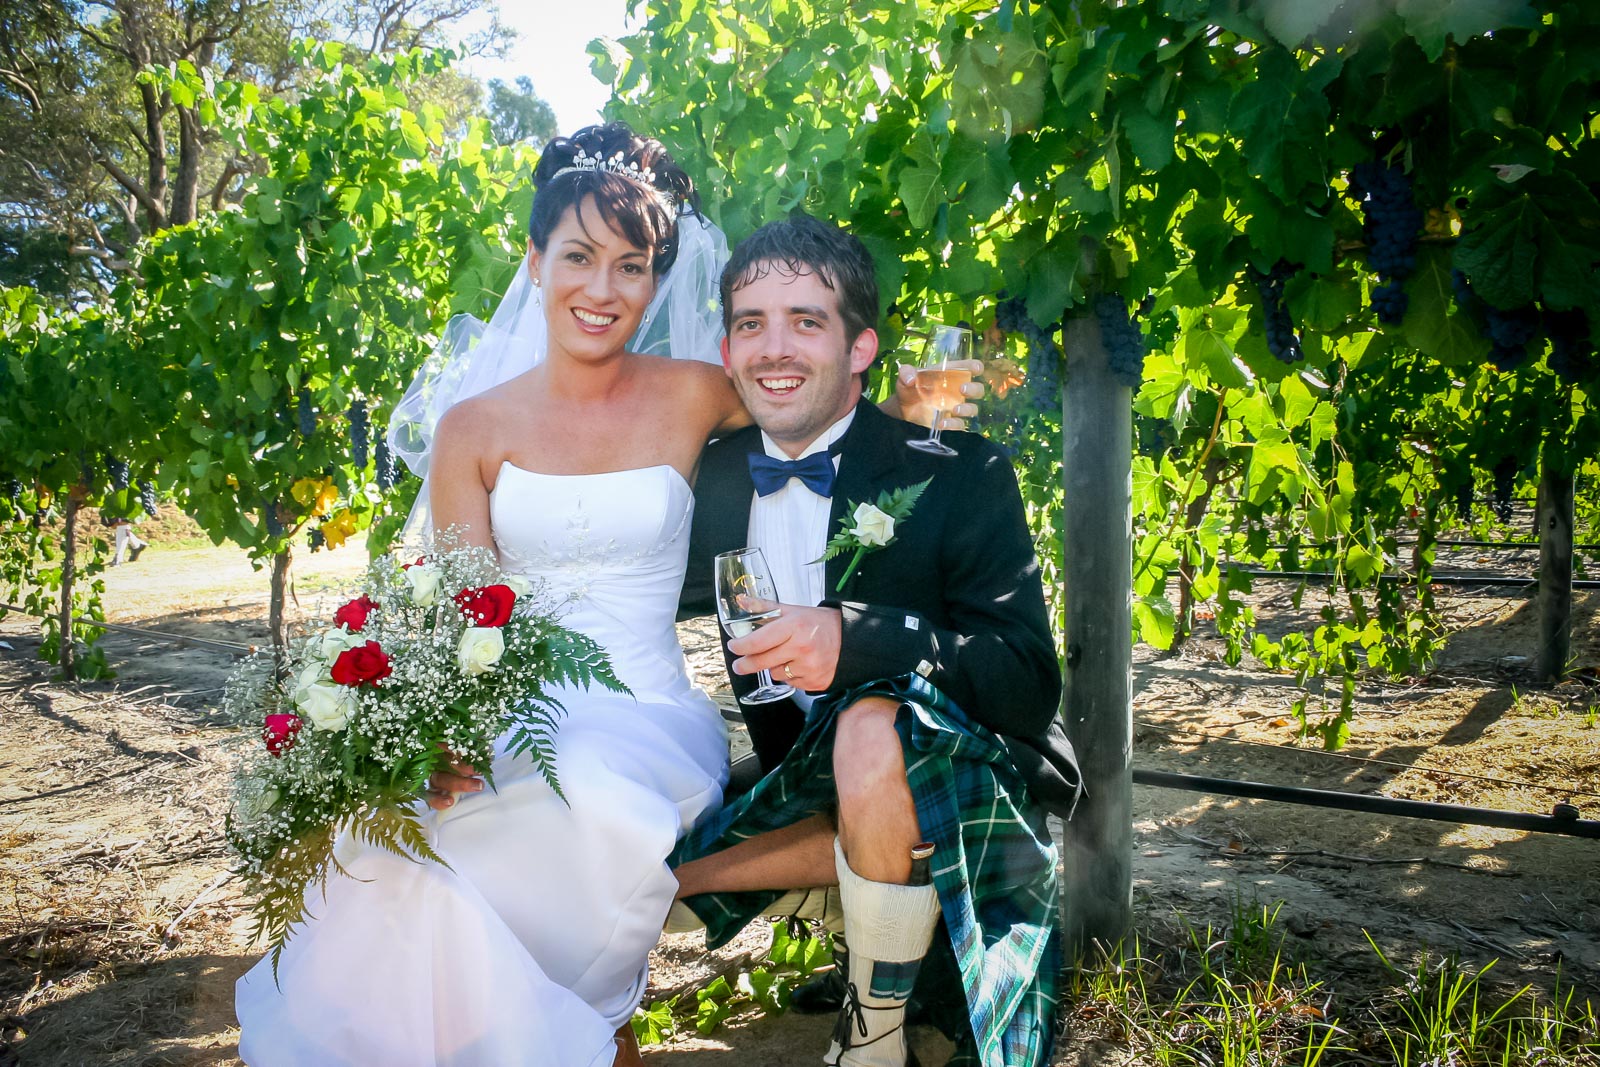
x,y
316,495
305,491
339,528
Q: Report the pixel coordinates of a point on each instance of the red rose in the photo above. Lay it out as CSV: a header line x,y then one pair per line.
x,y
488,606
364,665
414,563
353,616
278,732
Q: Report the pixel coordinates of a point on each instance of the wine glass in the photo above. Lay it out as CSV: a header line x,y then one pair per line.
x,y
747,600
938,384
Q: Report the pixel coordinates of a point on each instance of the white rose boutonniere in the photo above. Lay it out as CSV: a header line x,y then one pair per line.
x,y
424,581
868,527
480,649
873,528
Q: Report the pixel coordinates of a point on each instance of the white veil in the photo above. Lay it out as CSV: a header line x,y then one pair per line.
x,y
683,321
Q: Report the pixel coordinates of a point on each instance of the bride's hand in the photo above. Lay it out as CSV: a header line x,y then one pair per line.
x,y
445,786
912,408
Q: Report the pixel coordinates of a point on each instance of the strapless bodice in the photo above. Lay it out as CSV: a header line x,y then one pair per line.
x,y
613,546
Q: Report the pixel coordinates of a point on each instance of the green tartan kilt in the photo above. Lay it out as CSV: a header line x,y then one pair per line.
x,y
994,868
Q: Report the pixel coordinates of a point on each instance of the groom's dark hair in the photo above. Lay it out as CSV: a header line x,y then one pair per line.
x,y
801,244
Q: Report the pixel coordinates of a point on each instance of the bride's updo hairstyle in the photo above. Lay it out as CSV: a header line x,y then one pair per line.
x,y
641,204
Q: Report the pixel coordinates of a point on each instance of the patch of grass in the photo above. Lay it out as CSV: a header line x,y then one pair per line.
x,y
1234,998
1229,999
1440,1012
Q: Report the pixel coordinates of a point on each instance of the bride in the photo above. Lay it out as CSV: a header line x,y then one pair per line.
x,y
573,457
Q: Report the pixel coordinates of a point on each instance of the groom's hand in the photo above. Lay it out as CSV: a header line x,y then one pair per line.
x,y
800,647
445,786
914,409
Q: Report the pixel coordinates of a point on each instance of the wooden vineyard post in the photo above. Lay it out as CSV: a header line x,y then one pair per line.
x,y
1097,571
69,574
276,616
1555,517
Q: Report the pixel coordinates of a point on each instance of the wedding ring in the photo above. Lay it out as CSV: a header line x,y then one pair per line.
x,y
788,671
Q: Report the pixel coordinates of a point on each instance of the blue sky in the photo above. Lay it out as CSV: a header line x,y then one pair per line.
x,y
551,38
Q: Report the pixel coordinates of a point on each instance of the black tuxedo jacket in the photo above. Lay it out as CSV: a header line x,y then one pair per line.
x,y
956,598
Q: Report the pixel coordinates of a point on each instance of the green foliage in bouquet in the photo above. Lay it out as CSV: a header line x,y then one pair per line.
x,y
431,663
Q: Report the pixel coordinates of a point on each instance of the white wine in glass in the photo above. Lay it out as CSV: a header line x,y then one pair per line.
x,y
938,384
746,601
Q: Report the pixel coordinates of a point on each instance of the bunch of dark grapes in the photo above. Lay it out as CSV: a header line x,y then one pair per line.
x,y
1464,494
1123,340
1392,222
269,517
358,433
13,495
147,499
315,538
1044,358
1044,375
1508,331
118,469
306,414
1571,350
1153,436
1505,483
1466,299
383,460
1282,341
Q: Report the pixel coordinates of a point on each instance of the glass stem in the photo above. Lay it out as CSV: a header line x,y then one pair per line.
x,y
933,431
764,676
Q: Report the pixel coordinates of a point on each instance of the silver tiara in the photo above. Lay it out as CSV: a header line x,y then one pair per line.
x,y
615,164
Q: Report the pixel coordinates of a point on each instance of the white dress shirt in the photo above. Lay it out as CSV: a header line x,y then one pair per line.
x,y
791,528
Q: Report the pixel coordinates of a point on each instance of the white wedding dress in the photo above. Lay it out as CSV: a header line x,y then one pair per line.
x,y
531,949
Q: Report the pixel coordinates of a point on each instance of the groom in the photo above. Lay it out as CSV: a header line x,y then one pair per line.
x,y
926,677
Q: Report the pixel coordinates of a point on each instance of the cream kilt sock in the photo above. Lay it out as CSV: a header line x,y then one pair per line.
x,y
888,928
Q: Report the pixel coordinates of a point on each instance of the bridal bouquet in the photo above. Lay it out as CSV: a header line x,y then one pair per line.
x,y
433,661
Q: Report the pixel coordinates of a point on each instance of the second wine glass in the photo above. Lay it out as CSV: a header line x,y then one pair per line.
x,y
940,385
747,600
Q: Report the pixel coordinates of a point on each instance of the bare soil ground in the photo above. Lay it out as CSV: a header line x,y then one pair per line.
x,y
121,933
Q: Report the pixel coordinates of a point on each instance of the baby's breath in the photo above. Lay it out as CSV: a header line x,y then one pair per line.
x,y
364,777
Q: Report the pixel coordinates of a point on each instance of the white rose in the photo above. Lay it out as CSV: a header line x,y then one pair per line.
x,y
873,526
424,581
311,674
518,584
328,706
480,649
335,641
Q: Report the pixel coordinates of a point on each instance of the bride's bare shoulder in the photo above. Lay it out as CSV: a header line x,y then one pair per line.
x,y
473,421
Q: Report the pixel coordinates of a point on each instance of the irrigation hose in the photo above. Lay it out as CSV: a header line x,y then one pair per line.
x,y
1565,822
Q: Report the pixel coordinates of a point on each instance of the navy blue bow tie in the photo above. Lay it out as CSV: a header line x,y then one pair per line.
x,y
770,475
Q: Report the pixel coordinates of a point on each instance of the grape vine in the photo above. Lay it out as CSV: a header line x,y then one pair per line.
x,y
358,433
1122,338
1282,340
1571,349
305,414
1391,225
383,465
